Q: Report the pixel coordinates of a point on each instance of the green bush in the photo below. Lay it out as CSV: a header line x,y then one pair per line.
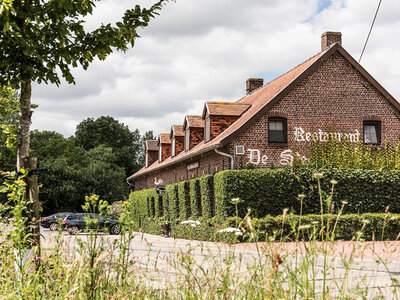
x,y
173,202
365,191
203,232
207,195
264,191
159,206
370,226
184,200
195,197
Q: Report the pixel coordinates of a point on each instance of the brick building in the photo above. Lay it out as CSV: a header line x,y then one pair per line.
x,y
328,95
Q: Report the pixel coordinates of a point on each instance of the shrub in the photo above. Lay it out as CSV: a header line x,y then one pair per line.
x,y
173,202
264,191
184,200
207,196
195,197
159,206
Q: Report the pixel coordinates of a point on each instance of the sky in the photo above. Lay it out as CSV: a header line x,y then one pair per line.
x,y
204,50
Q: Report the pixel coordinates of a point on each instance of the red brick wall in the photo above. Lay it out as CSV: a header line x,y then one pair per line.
x,y
179,144
220,123
209,163
334,98
166,151
152,157
196,136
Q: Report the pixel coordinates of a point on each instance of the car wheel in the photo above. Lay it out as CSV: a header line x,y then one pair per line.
x,y
73,230
115,229
53,226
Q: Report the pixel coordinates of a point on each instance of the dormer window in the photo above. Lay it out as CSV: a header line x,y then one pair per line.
x,y
187,140
207,130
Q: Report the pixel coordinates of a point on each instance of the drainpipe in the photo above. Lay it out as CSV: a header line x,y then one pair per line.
x,y
226,155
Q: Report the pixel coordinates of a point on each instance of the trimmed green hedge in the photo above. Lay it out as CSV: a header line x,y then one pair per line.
x,y
264,191
184,200
365,191
159,206
195,197
207,195
371,226
173,202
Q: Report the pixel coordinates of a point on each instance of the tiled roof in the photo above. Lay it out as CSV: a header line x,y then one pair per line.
x,y
152,145
193,121
176,130
225,108
262,99
164,137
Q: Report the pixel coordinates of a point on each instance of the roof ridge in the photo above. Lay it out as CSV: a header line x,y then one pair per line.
x,y
280,76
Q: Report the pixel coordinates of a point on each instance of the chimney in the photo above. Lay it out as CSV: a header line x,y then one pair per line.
x,y
328,38
252,84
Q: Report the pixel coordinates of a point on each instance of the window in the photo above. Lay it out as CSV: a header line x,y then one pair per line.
x,y
187,140
160,153
173,146
239,150
277,130
372,132
207,129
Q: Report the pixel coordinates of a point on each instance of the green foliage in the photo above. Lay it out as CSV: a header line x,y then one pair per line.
x,y
173,202
31,28
126,145
207,195
202,232
159,206
370,226
184,200
344,155
264,191
364,191
195,197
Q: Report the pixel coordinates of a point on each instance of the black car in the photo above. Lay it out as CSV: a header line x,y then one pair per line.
x,y
51,221
76,222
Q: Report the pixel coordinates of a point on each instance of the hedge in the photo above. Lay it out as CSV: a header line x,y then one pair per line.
x,y
184,200
173,202
159,206
195,197
264,191
207,195
365,191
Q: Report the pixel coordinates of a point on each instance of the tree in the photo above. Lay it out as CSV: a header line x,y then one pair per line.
x,y
107,131
40,37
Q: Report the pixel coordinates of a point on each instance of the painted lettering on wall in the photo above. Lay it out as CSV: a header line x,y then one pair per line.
x,y
286,157
300,135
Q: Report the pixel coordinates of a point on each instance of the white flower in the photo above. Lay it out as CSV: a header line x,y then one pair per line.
x,y
237,231
191,222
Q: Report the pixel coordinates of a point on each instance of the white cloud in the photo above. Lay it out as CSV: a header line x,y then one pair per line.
x,y
201,50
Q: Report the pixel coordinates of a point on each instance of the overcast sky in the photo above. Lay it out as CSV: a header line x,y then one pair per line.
x,y
199,50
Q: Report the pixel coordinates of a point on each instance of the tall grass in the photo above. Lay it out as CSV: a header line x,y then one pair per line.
x,y
96,266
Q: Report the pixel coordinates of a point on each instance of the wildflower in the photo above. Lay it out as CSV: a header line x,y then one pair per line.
x,y
318,175
304,227
333,182
62,274
236,200
236,231
344,202
365,221
301,196
191,223
38,258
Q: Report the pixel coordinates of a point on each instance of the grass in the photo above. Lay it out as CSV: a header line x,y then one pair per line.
x,y
134,266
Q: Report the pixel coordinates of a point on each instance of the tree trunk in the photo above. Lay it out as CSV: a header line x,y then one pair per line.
x,y
24,125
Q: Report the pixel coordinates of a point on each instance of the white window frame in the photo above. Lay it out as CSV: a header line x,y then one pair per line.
x,y
173,147
207,129
160,154
187,140
239,150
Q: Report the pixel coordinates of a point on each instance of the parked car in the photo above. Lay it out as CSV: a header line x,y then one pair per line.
x,y
51,221
76,222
